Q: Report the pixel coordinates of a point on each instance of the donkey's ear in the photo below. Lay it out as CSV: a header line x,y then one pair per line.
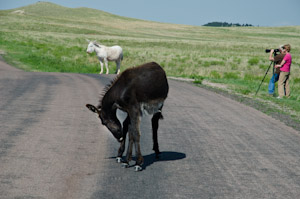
x,y
88,40
92,108
116,105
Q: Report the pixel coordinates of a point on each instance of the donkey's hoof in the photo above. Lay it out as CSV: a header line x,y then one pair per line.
x,y
118,159
125,165
137,168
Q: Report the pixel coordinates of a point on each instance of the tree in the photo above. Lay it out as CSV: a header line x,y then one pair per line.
x,y
225,24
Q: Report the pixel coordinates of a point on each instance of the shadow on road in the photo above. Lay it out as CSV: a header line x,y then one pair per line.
x,y
163,156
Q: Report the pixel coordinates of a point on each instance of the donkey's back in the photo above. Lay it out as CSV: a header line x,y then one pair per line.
x,y
144,83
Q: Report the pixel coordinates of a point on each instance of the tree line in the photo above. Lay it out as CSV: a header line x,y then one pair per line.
x,y
225,24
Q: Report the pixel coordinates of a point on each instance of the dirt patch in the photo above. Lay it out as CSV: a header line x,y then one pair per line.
x,y
215,85
19,12
181,79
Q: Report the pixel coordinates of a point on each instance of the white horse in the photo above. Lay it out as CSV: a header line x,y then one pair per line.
x,y
106,54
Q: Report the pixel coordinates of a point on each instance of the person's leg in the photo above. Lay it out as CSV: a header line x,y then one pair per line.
x,y
272,82
281,84
272,85
283,79
287,86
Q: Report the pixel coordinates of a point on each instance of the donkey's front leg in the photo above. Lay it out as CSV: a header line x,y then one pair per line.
x,y
122,145
134,138
128,158
106,65
139,157
135,129
101,65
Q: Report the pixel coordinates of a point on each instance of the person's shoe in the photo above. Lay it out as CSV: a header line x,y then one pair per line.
x,y
278,97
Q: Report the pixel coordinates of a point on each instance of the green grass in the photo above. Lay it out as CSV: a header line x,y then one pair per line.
x,y
51,38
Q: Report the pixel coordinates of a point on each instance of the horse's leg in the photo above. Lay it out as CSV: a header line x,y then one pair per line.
x,y
118,63
101,65
155,120
106,65
122,145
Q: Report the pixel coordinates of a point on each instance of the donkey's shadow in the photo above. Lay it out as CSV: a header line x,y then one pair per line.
x,y
163,156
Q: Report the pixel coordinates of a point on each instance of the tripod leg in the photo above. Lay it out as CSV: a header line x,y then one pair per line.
x,y
264,78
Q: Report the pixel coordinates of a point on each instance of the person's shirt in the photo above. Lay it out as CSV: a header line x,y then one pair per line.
x,y
287,65
278,59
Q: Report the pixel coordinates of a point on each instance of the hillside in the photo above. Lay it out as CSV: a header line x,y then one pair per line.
x,y
183,50
49,37
49,17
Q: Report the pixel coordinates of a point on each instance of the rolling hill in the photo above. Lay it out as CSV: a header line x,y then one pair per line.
x,y
51,38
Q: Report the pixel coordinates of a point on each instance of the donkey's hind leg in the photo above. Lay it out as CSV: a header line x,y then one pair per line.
x,y
118,64
155,120
122,145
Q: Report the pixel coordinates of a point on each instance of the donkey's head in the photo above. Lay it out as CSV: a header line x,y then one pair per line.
x,y
110,120
91,47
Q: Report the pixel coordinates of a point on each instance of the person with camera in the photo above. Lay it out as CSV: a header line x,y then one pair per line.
x,y
284,76
277,59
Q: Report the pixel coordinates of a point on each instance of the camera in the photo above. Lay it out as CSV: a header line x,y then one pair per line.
x,y
275,50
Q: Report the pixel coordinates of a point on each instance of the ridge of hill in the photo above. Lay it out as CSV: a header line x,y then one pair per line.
x,y
47,9
93,21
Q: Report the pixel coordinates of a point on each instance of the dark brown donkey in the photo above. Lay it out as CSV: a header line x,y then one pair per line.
x,y
137,90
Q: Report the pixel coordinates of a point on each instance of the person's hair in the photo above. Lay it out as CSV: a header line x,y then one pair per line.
x,y
287,47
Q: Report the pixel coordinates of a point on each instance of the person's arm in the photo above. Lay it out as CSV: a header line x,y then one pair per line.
x,y
281,64
271,58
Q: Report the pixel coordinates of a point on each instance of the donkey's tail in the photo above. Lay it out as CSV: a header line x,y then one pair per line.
x,y
122,57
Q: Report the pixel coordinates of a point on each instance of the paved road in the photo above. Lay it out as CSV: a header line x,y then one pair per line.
x,y
51,146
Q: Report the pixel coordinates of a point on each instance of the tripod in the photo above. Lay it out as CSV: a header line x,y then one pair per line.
x,y
272,62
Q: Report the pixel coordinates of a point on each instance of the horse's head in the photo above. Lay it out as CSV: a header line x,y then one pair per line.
x,y
110,120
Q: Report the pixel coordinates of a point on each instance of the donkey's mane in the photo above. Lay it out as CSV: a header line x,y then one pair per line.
x,y
98,45
112,82
108,86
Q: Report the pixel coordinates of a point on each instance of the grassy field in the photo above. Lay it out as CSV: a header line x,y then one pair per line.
x,y
47,37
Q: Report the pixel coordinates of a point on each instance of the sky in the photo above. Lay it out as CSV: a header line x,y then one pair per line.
x,y
190,12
